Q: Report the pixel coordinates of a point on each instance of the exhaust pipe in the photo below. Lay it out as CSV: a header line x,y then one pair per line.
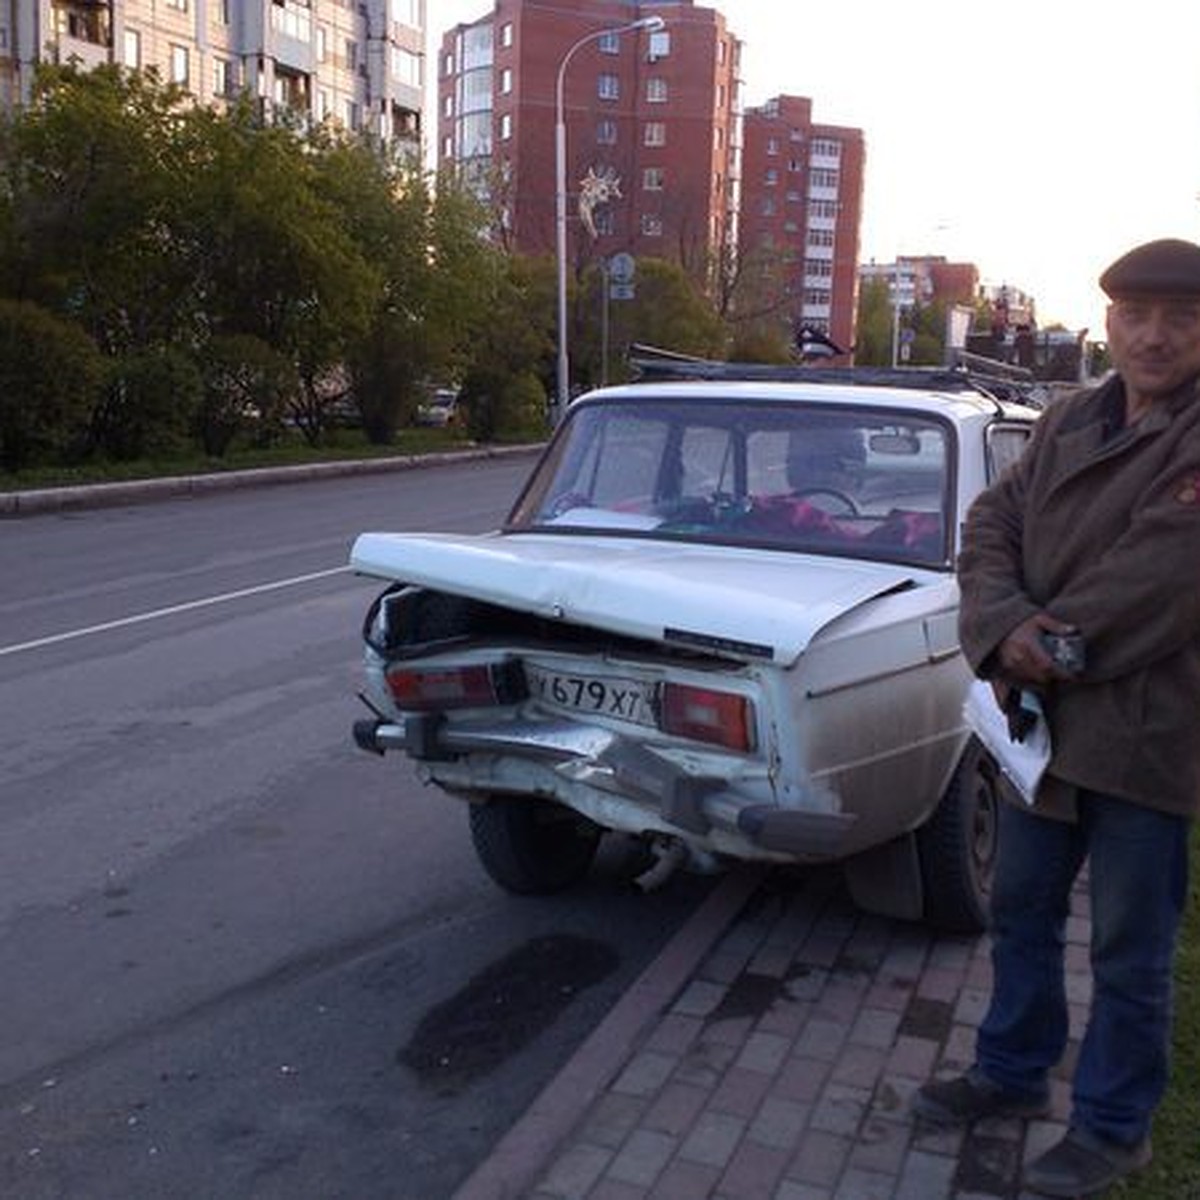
x,y
669,856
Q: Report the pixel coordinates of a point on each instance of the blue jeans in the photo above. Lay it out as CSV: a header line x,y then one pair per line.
x,y
1138,888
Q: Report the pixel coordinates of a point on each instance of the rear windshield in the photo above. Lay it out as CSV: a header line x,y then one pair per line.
x,y
856,482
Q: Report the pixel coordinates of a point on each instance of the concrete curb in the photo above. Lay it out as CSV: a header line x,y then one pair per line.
x,y
140,491
512,1167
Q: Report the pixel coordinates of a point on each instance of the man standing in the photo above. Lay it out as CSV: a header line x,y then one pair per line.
x,y
1095,532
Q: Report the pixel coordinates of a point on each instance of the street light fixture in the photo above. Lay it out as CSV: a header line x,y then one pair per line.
x,y
560,196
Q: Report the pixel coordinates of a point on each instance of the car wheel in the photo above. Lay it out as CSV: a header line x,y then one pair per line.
x,y
532,847
957,845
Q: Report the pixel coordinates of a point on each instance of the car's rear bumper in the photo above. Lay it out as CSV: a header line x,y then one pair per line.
x,y
612,778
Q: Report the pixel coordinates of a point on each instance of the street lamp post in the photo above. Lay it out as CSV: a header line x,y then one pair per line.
x,y
560,197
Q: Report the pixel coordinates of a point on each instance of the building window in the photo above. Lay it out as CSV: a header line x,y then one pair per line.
x,y
506,81
827,148
606,133
660,45
655,134
609,43
352,117
505,126
447,148
322,43
408,12
656,90
821,178
773,146
768,207
292,19
447,105
722,52
178,5
653,179
222,82
133,48
351,54
406,67
820,237
608,87
179,65
652,225
772,177
506,34
795,166
448,64
324,106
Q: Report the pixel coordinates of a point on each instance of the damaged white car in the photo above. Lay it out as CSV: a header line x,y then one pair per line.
x,y
721,617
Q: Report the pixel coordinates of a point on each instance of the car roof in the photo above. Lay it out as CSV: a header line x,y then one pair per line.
x,y
955,405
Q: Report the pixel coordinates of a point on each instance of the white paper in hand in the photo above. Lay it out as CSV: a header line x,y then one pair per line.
x,y
1023,763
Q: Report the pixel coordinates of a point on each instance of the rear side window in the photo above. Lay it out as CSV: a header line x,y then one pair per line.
x,y
1005,444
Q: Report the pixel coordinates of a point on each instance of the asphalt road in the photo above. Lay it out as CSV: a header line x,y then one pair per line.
x,y
238,957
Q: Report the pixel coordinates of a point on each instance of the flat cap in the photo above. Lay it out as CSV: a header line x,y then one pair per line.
x,y
1169,267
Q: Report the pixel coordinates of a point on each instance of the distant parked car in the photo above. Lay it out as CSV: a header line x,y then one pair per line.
x,y
440,410
721,617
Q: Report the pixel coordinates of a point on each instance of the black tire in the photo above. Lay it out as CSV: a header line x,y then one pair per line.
x,y
957,845
532,847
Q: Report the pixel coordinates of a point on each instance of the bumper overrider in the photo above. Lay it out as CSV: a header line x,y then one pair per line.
x,y
698,808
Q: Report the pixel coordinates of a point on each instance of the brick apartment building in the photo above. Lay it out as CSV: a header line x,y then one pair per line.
x,y
358,64
657,110
802,188
662,112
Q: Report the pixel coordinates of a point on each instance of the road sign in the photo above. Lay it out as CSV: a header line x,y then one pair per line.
x,y
621,268
621,291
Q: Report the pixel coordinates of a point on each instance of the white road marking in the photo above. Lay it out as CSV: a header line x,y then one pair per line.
x,y
170,611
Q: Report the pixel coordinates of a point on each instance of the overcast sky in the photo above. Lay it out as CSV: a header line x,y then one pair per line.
x,y
1038,140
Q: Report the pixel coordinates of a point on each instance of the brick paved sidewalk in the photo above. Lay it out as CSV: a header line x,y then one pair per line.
x,y
784,1068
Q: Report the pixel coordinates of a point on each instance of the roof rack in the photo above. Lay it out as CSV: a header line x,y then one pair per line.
x,y
1006,382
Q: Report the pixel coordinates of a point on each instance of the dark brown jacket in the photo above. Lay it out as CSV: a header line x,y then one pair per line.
x,y
1099,525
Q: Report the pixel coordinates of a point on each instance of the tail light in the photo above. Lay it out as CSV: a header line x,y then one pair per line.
x,y
704,715
421,689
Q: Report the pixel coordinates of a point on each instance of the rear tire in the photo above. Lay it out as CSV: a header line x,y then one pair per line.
x,y
532,847
957,845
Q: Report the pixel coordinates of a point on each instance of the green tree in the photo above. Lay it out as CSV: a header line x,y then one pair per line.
x,y
875,317
150,404
274,254
668,310
50,373
246,386
513,354
91,181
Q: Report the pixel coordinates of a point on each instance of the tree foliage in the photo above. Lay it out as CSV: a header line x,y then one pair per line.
x,y
50,373
248,268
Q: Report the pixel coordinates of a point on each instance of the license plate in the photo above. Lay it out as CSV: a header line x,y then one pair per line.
x,y
603,695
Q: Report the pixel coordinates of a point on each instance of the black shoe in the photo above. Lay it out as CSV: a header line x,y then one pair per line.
x,y
974,1097
1083,1164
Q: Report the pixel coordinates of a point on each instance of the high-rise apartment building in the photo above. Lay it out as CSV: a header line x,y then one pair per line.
x,y
356,62
653,113
802,187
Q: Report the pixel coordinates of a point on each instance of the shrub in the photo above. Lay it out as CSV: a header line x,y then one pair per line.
x,y
50,373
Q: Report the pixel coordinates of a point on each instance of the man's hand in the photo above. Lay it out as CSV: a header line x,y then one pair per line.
x,y
1022,657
